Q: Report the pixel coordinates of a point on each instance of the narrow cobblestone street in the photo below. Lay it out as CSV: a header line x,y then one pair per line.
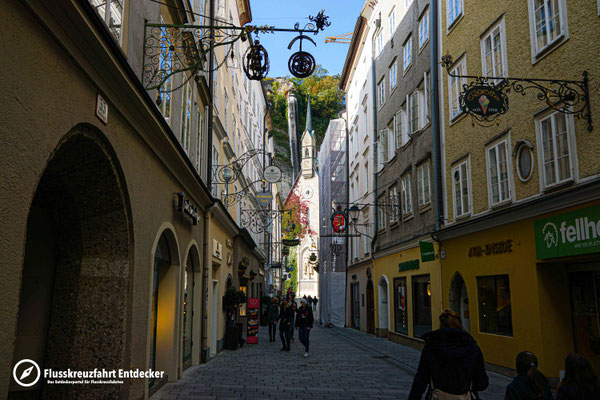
x,y
343,364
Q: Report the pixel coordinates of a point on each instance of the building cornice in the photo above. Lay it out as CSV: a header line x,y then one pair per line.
x,y
578,195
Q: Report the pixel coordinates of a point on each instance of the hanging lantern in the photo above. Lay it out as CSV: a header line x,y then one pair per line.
x,y
256,62
302,64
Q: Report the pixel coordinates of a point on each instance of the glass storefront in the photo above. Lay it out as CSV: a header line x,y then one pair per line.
x,y
188,304
400,306
421,304
585,304
495,310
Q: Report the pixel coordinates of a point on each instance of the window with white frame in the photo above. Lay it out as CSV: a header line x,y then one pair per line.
x,y
498,172
405,125
407,52
381,92
406,199
383,147
381,215
426,98
199,143
379,42
398,129
461,189
393,75
423,184
392,22
555,148
454,11
424,29
413,112
548,22
186,117
111,12
164,93
455,87
493,51
391,139
215,163
393,206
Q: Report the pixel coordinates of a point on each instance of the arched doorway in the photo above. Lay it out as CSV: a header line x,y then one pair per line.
x,y
459,300
73,310
163,350
191,302
383,305
370,307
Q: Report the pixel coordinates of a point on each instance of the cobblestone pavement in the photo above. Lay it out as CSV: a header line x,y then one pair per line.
x,y
343,364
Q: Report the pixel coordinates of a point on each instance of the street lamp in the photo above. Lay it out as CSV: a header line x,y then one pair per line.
x,y
353,212
227,174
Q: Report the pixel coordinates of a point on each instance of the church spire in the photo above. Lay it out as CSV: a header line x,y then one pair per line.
x,y
308,118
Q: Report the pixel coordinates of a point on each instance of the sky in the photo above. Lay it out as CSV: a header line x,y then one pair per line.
x,y
285,13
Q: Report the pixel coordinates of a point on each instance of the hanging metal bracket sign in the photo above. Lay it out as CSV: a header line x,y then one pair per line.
x,y
485,98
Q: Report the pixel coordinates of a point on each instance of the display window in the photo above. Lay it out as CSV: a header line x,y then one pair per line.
x,y
495,309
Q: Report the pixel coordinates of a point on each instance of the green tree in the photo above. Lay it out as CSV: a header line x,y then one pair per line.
x,y
292,282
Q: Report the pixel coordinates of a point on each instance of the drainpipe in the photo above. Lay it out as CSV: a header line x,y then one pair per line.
x,y
204,299
375,152
435,116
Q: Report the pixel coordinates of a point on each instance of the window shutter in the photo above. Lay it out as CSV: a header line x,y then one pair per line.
x,y
391,143
426,99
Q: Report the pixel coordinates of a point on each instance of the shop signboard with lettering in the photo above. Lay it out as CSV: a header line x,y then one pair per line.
x,y
427,251
568,234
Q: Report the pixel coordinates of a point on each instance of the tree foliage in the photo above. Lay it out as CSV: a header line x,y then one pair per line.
x,y
295,221
292,282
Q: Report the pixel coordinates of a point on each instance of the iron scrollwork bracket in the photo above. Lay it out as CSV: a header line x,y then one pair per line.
x,y
566,96
257,221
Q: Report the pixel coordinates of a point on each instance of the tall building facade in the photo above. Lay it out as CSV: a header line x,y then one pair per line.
x,y
119,253
333,198
520,244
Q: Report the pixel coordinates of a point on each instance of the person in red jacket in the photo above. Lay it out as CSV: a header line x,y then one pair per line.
x,y
304,323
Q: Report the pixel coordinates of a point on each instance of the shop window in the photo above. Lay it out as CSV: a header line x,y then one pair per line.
x,y
495,310
400,306
421,304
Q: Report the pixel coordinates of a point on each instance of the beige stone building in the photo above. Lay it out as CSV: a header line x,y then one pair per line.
x,y
509,183
118,254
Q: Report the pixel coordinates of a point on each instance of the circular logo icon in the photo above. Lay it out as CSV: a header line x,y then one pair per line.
x,y
550,233
26,372
272,174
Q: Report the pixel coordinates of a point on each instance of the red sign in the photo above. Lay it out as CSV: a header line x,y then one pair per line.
x,y
253,320
338,222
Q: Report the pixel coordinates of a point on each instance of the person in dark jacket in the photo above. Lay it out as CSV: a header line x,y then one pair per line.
x,y
304,323
580,382
286,316
451,360
292,301
272,314
530,383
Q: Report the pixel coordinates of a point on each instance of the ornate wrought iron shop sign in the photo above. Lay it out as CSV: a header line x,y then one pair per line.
x,y
485,98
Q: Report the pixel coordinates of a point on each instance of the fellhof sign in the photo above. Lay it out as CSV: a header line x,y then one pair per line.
x,y
573,233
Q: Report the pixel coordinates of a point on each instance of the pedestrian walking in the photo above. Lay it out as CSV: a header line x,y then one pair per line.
x,y
530,383
315,301
295,309
272,315
286,316
451,363
304,323
580,382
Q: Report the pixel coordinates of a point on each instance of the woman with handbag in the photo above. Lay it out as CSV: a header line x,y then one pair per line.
x,y
451,364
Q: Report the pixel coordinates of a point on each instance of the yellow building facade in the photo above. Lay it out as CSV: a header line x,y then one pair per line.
x,y
506,183
407,294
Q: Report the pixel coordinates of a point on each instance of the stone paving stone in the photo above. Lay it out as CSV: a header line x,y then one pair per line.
x,y
344,364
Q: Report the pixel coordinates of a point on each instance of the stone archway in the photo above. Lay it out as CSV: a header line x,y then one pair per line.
x,y
73,308
383,305
459,300
191,306
164,344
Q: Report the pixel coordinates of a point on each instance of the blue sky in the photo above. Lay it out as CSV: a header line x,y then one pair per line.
x,y
285,13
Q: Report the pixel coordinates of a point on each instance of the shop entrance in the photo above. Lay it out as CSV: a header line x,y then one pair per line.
x,y
355,308
382,296
585,305
370,307
73,310
459,300
421,305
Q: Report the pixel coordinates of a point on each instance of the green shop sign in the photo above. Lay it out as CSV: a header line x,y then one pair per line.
x,y
568,234
408,265
427,252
